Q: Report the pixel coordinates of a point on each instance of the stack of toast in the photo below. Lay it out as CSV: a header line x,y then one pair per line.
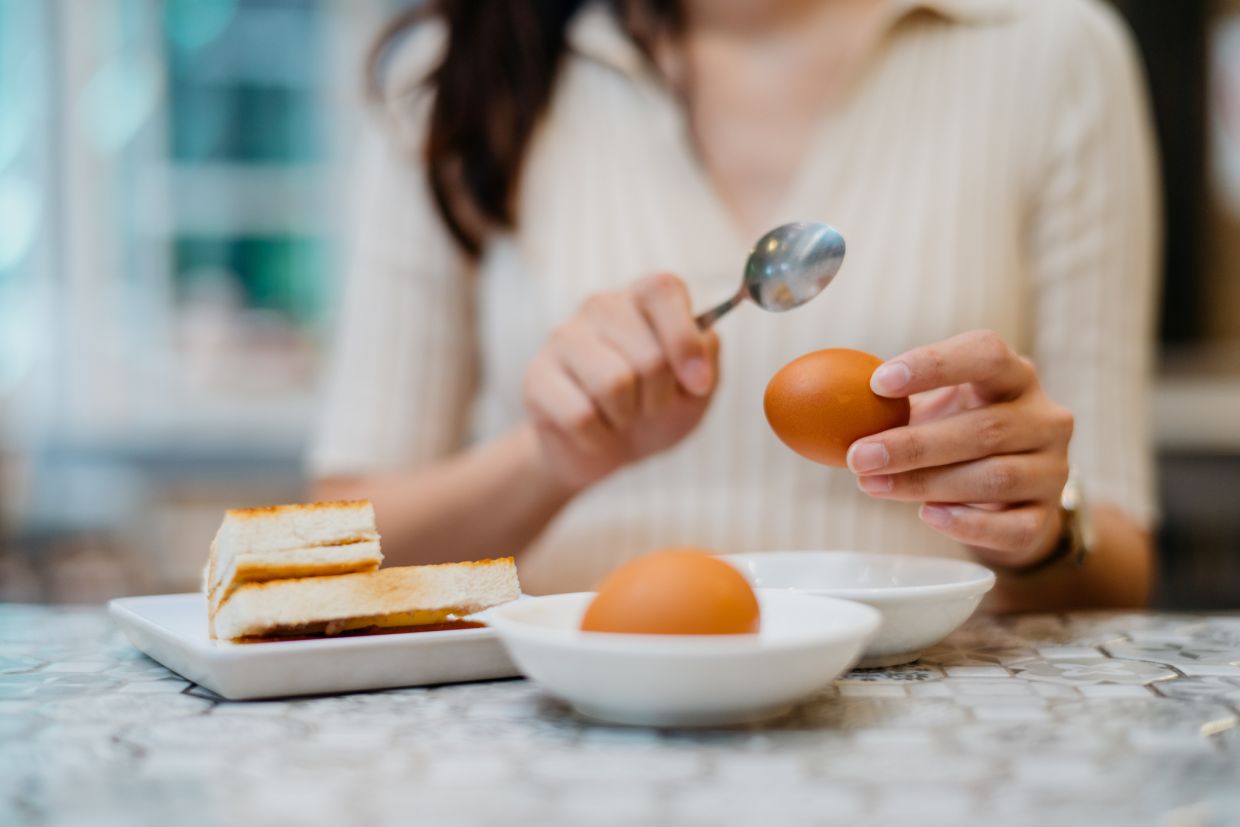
x,y
314,569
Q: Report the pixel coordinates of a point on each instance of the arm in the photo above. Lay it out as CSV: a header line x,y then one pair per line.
x,y
1118,574
1096,235
476,504
988,448
627,377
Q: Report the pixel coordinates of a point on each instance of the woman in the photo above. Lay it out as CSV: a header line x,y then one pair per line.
x,y
511,378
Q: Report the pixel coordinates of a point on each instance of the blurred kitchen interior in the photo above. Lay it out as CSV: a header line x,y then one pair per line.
x,y
173,176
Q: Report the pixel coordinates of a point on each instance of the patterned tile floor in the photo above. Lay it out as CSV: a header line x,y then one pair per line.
x,y
1093,719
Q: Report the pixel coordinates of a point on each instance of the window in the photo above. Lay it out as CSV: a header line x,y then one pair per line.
x,y
206,158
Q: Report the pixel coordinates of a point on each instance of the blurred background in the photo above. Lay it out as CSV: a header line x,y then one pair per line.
x,y
174,177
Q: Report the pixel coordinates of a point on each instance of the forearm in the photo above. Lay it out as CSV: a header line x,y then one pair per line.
x,y
1119,573
490,501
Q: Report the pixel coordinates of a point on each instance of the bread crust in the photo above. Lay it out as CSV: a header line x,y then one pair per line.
x,y
269,511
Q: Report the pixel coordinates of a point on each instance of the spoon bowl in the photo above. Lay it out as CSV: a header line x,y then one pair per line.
x,y
786,268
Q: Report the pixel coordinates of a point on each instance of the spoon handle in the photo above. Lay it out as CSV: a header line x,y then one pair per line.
x,y
705,320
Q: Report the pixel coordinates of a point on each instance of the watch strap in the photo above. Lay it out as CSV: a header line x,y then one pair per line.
x,y
1075,538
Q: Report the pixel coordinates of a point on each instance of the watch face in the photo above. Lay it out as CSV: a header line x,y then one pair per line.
x,y
1078,531
1072,498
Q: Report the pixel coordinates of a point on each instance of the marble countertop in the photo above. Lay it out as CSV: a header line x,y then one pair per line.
x,y
1083,719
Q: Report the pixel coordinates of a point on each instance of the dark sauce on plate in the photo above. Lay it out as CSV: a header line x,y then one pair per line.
x,y
450,626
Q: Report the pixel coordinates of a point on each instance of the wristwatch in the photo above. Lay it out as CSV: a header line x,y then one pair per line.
x,y
1076,539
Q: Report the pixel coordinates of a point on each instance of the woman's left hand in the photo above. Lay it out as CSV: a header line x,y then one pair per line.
x,y
986,450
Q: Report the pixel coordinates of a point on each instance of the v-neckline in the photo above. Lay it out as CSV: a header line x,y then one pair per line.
x,y
788,201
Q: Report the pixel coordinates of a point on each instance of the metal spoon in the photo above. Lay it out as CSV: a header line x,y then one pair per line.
x,y
786,268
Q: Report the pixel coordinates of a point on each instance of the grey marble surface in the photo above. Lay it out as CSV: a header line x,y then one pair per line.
x,y
1087,719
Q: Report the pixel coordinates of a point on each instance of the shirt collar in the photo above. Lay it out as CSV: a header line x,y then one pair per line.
x,y
596,33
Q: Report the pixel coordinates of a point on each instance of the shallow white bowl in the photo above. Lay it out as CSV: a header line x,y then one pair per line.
x,y
685,680
922,599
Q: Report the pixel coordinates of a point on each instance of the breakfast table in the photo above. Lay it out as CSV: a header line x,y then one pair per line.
x,y
1092,718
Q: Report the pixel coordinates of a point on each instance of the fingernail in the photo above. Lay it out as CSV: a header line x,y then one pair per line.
x,y
879,484
697,376
936,516
867,456
890,378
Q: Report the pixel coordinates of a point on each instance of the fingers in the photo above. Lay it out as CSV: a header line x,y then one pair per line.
x,y
604,374
626,353
987,450
1006,428
938,404
622,326
555,401
1014,478
980,357
1017,536
664,301
629,375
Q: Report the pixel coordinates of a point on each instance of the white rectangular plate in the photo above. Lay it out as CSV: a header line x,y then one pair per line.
x,y
172,629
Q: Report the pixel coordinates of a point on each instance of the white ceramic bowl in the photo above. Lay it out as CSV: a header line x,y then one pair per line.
x,y
922,599
685,680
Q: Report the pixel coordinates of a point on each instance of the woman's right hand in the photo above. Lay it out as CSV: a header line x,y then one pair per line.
x,y
628,376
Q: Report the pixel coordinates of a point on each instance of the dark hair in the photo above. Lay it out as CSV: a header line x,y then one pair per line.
x,y
491,88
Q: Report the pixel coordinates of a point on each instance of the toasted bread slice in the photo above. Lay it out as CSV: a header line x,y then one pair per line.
x,y
286,541
301,525
399,596
363,555
277,542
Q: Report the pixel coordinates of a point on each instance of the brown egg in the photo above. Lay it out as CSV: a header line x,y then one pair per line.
x,y
677,591
821,403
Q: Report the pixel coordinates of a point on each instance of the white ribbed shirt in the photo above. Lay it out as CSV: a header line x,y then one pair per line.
x,y
991,168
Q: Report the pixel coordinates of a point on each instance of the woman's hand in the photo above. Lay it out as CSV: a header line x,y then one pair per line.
x,y
986,449
628,376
